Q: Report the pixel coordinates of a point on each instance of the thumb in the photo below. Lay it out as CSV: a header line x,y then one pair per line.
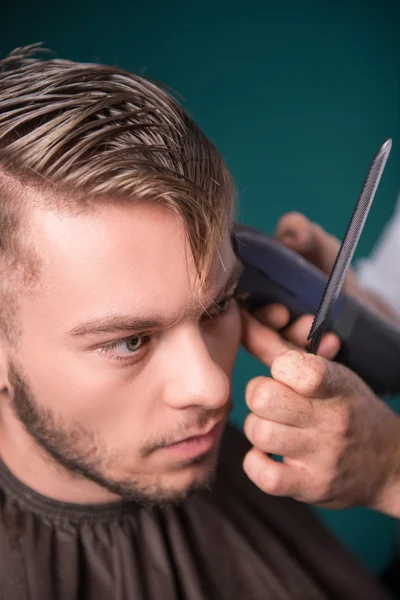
x,y
312,376
262,342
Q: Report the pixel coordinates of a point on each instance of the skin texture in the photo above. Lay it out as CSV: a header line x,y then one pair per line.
x,y
82,421
340,443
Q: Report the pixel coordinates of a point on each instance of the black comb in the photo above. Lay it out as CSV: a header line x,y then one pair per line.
x,y
347,248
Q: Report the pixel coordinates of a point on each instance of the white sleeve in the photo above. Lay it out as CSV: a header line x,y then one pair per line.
x,y
380,272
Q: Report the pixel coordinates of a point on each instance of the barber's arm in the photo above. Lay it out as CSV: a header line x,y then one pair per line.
x,y
340,443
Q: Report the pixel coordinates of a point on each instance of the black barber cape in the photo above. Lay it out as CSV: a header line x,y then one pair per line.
x,y
233,542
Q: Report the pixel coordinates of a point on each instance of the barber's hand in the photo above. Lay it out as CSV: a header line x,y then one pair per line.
x,y
340,443
320,248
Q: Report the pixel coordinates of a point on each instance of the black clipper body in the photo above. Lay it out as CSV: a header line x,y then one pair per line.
x,y
370,344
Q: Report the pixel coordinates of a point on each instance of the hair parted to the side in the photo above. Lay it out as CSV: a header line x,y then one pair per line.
x,y
84,133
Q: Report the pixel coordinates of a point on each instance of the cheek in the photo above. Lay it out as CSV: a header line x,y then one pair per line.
x,y
88,391
121,410
223,339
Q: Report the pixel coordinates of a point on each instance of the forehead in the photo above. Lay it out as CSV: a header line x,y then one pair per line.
x,y
119,257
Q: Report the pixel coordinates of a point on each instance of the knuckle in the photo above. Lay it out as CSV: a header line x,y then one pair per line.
x,y
250,426
269,479
260,395
248,422
274,482
324,487
336,419
319,486
247,427
315,374
286,364
319,494
263,434
342,421
259,432
252,390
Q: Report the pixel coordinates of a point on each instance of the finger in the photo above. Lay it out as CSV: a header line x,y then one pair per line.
x,y
309,239
270,476
260,341
297,334
273,315
276,438
309,375
330,346
315,244
270,400
298,331
277,316
294,230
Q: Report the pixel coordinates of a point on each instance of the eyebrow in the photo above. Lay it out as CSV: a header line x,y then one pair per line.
x,y
115,324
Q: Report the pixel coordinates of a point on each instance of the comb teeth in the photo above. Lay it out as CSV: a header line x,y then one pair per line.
x,y
348,246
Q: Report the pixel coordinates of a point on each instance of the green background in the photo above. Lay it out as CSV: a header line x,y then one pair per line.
x,y
297,96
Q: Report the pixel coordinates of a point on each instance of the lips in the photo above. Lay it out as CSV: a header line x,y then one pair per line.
x,y
197,445
197,435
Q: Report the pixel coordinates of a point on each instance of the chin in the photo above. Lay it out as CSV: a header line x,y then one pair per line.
x,y
179,494
171,483
196,475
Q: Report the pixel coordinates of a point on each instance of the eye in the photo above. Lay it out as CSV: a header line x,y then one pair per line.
x,y
126,348
223,305
133,343
219,308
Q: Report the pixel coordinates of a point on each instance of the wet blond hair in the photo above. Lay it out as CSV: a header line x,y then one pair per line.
x,y
73,135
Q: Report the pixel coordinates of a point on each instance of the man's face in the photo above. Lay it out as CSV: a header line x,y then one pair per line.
x,y
122,373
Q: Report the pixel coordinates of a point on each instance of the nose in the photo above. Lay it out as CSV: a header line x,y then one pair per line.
x,y
192,377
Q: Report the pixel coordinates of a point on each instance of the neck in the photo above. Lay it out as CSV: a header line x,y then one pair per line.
x,y
35,468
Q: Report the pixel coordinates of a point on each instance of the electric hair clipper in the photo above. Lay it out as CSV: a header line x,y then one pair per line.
x,y
370,343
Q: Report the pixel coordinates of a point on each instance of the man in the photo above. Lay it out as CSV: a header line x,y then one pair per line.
x,y
119,332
